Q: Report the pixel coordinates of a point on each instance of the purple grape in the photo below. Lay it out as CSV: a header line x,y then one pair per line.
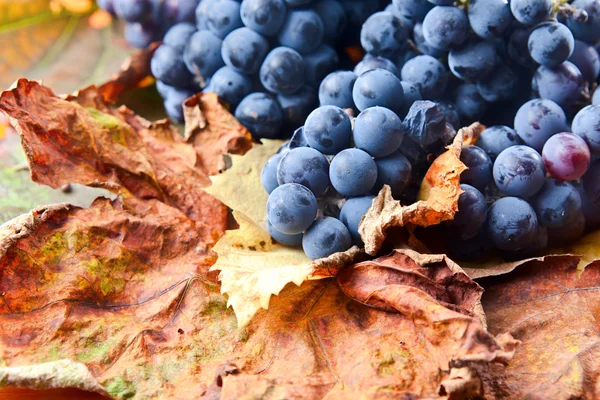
x,y
519,171
537,120
471,214
512,224
566,156
587,125
479,174
562,84
496,139
557,203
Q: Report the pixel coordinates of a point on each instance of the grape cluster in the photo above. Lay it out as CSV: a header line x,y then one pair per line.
x,y
526,70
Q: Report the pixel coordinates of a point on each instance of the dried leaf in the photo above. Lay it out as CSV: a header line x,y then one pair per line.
x,y
438,197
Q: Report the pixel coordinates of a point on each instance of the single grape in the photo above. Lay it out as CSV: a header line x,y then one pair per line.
x,y
519,171
291,208
319,64
336,89
551,43
566,156
587,60
202,54
567,233
557,203
296,107
230,85
370,62
168,66
383,35
471,214
307,167
223,17
479,174
261,115
268,176
325,237
328,129
450,111
531,12
282,72
263,16
473,61
428,74
302,31
425,123
395,171
512,224
445,27
378,131
331,12
202,13
283,238
178,35
352,212
353,172
378,87
469,103
537,120
587,30
489,18
587,125
562,84
244,50
500,85
423,46
495,139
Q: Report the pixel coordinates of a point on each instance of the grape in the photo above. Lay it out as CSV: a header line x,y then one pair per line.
x,y
556,204
261,115
519,171
471,214
291,208
473,61
140,35
319,64
517,47
425,123
352,172
489,18
178,35
302,31
588,30
450,111
566,156
587,125
223,17
177,11
469,103
202,54
328,129
562,84
132,10
407,21
551,44
411,94
378,87
284,239
336,89
537,120
298,139
244,50
352,213
567,233
383,35
422,44
296,107
587,60
596,97
263,16
395,171
332,12
230,85
369,62
268,176
590,211
591,184
428,74
537,246
378,131
445,27
202,13
531,12
500,85
282,71
479,174
512,224
496,139
307,167
417,9
326,237
173,103
168,66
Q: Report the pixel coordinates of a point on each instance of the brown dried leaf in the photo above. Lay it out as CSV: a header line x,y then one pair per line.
x,y
438,197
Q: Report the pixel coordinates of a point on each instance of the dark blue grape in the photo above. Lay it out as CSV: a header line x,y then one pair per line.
x,y
328,129
591,184
319,64
531,12
202,54
557,203
378,87
587,30
230,85
179,35
284,239
512,224
445,27
325,237
353,172
282,72
407,21
587,60
307,167
132,10
369,62
244,50
336,89
428,74
537,120
383,35
500,85
473,61
263,16
173,103
551,44
223,18
378,131
291,208
479,174
141,35
168,66
302,31
417,9
495,139
268,176
395,171
202,13
261,115
352,212
562,84
425,123
422,44
519,171
296,107
471,214
469,103
450,111
587,125
567,233
489,18
334,18
411,94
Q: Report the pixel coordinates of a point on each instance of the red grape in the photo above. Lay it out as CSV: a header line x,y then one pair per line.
x,y
566,156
